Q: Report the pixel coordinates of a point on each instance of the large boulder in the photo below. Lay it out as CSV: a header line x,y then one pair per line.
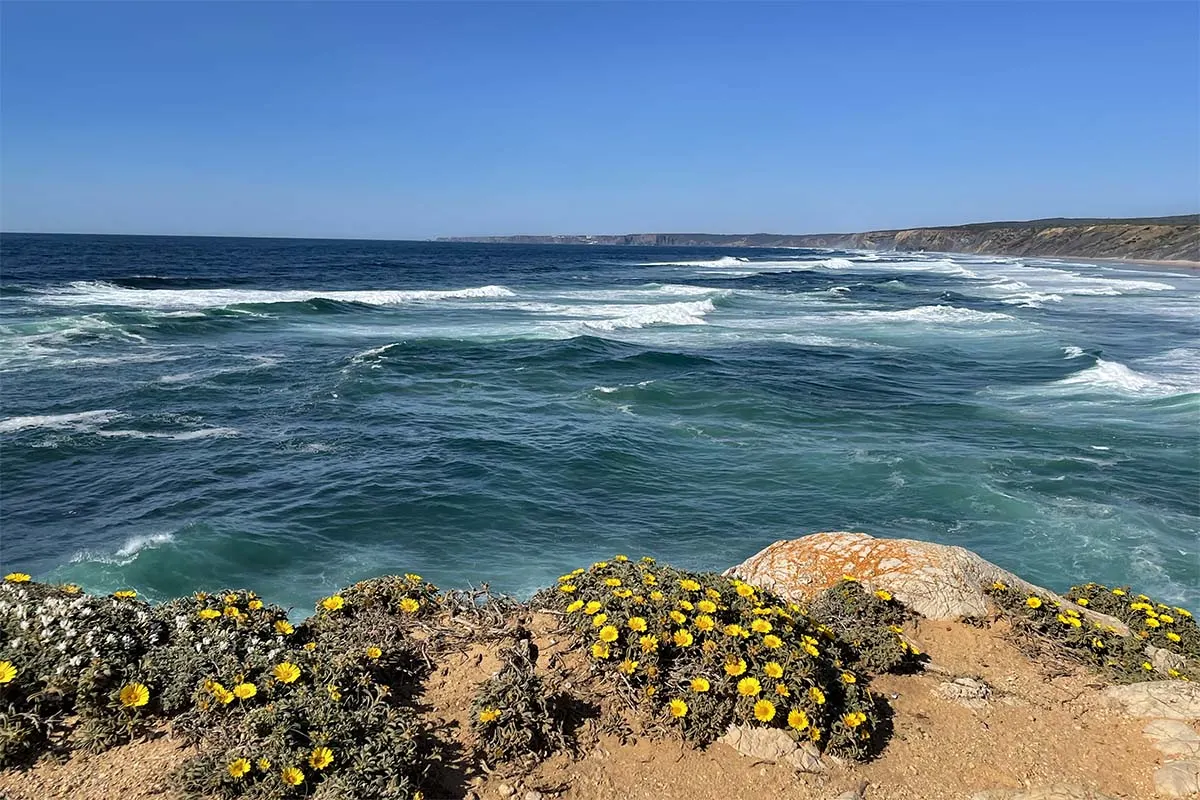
x,y
937,581
1157,699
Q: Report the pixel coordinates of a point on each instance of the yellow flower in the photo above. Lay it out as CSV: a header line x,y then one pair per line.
x,y
410,605
287,672
599,650
612,581
689,585
244,691
707,606
320,758
1174,637
71,588
817,696
230,599
333,602
815,734
712,594
649,643
760,626
1119,592
264,764
7,672
657,596
209,613
883,594
749,687
223,695
682,638
1098,643
374,652
254,605
773,669
284,627
624,594
620,558
599,620
735,668
678,617
745,590
237,768
734,630
412,577
335,694
854,719
609,633
764,711
700,685
1151,622
292,776
999,585
125,594
600,565
567,588
489,715
678,708
1034,602
704,623
709,646
848,678
686,605
797,719
637,624
574,606
232,611
1167,618
1183,612
1146,665
134,695
849,578
773,642
762,612
17,577
1083,601
628,667
592,607
782,690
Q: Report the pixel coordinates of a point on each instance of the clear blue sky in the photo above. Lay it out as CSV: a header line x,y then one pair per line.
x,y
404,120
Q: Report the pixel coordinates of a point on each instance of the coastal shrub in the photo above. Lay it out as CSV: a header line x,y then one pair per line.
x,y
67,654
330,714
222,633
867,627
701,651
511,715
1044,622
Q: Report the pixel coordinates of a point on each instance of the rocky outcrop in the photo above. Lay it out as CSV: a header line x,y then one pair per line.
x,y
1179,700
937,581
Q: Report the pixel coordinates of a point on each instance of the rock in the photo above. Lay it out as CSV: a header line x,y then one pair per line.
x,y
858,793
969,692
1174,739
1163,660
935,580
1178,779
1058,792
1162,699
504,790
772,744
534,796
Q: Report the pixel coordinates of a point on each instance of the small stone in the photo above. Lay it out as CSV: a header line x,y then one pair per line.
x,y
772,744
969,692
1162,699
1178,779
534,796
504,790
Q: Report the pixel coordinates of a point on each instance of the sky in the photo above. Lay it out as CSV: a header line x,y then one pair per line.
x,y
409,120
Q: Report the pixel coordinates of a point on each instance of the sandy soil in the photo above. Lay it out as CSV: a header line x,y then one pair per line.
x,y
1042,725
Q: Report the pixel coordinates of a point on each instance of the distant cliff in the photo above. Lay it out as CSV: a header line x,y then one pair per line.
x,y
1165,238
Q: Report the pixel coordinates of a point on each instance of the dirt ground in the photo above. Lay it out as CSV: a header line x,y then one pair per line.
x,y
1042,725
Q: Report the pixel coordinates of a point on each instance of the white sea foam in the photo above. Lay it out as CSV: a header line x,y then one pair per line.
x,y
107,294
943,315
641,316
135,544
79,421
179,436
1072,351
1115,376
724,261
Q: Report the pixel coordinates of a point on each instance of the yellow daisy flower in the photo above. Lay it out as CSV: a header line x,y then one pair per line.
x,y
244,691
883,594
284,627
704,623
649,643
292,776
1174,637
599,650
682,638
333,602
320,758
1033,602
657,596
574,606
489,715
817,696
735,668
760,626
7,672
609,633
134,695
628,667
238,768
689,585
797,719
410,605
17,577
745,590
854,719
700,685
773,669
637,624
772,642
591,608
749,687
764,711
848,678
599,620
209,613
782,690
125,594
707,606
287,672
678,617
678,708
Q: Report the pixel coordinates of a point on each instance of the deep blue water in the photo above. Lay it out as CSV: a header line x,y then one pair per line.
x,y
294,415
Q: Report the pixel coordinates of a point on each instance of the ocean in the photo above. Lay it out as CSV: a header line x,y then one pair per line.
x,y
291,416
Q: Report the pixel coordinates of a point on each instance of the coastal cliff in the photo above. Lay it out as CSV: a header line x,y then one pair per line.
x,y
1153,238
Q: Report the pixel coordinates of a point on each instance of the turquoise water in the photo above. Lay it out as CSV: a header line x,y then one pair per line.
x,y
291,416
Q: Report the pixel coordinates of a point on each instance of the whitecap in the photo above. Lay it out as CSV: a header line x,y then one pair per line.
x,y
724,261
944,315
641,316
107,294
1115,376
1072,351
79,421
